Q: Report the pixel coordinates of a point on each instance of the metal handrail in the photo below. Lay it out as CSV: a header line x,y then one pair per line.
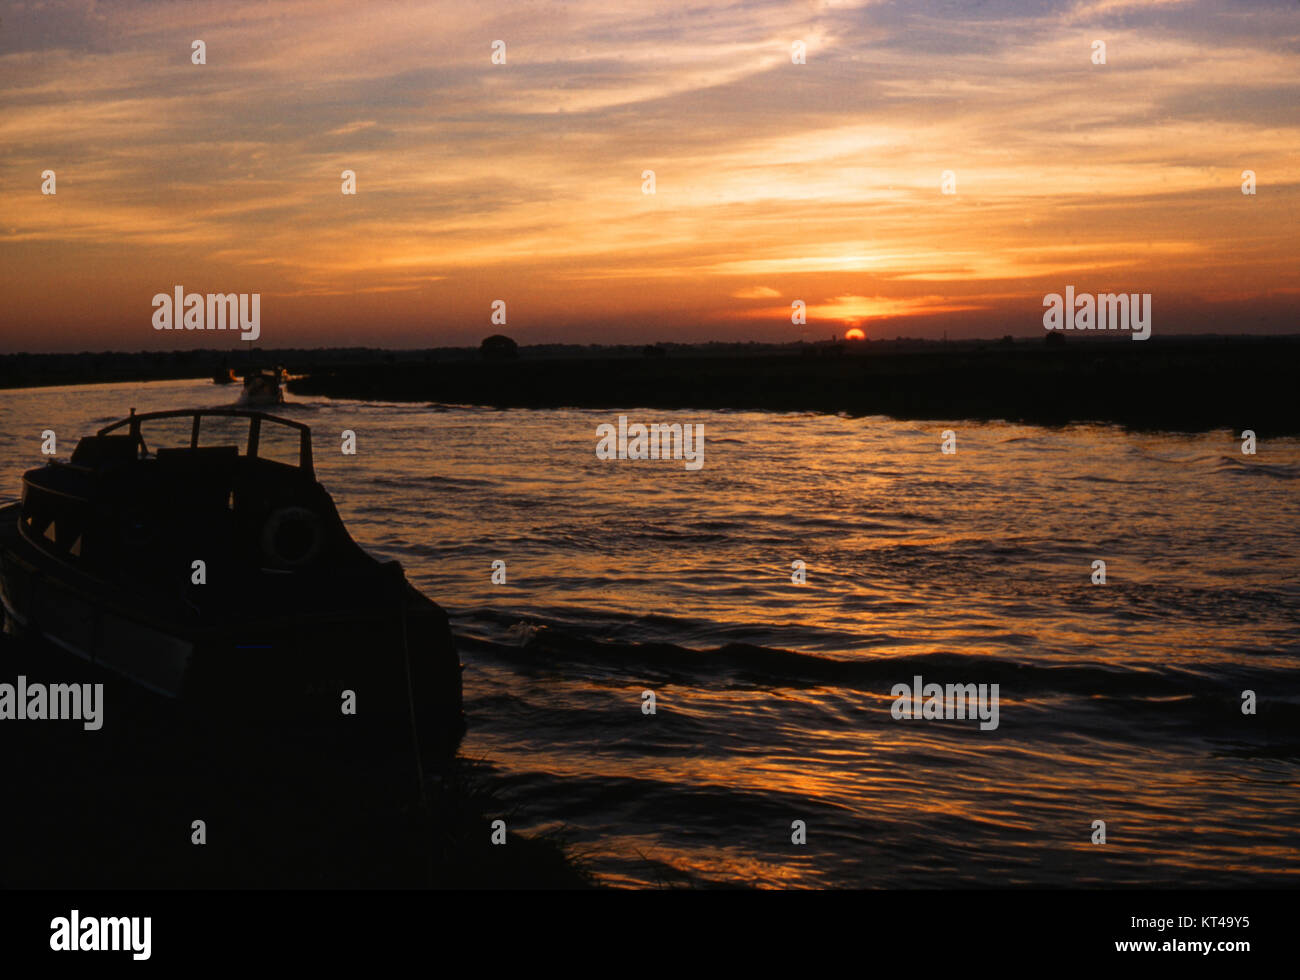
x,y
256,418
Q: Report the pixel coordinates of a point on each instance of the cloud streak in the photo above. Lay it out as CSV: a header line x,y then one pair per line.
x,y
523,181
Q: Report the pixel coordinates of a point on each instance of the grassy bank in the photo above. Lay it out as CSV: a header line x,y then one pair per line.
x,y
1188,384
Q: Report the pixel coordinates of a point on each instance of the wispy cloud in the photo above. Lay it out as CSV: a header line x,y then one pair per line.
x,y
524,181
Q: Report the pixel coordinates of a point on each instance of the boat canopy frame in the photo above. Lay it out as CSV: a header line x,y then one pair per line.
x,y
254,429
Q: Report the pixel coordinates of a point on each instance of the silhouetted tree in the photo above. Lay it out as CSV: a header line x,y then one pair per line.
x,y
499,347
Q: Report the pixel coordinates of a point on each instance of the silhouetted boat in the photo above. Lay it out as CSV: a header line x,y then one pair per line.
x,y
263,387
286,612
225,376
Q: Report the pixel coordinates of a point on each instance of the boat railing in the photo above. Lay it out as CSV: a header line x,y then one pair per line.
x,y
133,421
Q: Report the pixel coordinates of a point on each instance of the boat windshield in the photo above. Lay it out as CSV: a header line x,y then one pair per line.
x,y
254,434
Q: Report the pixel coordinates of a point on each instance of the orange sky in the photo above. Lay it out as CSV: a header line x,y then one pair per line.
x,y
522,182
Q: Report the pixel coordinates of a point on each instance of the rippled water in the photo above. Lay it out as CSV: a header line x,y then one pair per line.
x,y
1118,703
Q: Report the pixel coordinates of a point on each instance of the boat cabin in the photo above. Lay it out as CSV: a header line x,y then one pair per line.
x,y
230,486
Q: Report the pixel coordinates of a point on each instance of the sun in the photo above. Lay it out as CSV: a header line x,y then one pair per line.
x,y
853,333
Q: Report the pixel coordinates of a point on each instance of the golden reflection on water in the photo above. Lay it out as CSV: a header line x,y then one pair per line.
x,y
1118,703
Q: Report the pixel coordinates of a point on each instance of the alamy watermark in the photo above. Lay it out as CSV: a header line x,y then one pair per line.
x,y
937,701
1105,311
221,311
655,441
126,933
53,702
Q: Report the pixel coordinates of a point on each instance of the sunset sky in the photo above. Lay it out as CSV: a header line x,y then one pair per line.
x,y
523,182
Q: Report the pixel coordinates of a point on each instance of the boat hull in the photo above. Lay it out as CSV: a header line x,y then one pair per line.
x,y
372,668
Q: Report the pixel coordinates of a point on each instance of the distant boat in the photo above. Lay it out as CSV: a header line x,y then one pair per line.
x,y
287,618
225,376
263,387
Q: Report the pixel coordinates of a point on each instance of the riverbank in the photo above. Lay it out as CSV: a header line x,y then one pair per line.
x,y
1193,383
1187,384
